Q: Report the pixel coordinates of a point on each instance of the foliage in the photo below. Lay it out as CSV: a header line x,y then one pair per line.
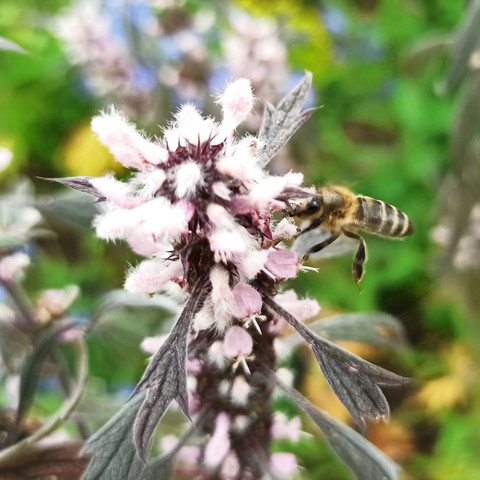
x,y
397,83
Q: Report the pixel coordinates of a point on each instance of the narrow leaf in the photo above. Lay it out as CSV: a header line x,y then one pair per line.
x,y
113,449
465,125
14,344
466,41
31,369
364,460
280,123
82,184
354,381
165,378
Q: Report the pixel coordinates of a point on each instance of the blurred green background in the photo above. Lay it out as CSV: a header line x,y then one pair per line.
x,y
397,82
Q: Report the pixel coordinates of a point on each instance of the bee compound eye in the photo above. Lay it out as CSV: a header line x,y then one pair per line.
x,y
313,206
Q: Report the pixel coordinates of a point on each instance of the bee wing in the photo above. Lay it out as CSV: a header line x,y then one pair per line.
x,y
341,246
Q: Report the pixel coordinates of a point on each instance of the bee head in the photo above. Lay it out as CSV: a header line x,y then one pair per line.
x,y
307,207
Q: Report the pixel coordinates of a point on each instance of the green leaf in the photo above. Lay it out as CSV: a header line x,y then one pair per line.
x,y
379,329
33,364
365,460
354,381
282,121
466,42
113,449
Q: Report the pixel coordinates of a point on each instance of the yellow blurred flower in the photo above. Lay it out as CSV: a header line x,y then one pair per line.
x,y
452,389
84,155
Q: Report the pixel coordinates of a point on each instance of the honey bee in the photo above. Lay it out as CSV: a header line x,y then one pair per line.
x,y
339,211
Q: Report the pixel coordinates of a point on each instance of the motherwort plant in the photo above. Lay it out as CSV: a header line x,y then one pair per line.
x,y
208,216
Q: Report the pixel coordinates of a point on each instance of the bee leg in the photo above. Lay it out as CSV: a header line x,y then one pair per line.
x,y
320,246
315,224
360,256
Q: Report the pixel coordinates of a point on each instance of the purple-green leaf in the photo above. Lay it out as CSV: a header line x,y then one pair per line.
x,y
165,379
82,184
365,460
113,449
354,381
280,123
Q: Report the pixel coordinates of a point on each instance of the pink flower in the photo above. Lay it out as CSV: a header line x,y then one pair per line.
x,y
283,428
12,266
152,275
119,193
189,177
282,264
223,300
237,343
219,445
125,143
237,102
301,309
248,302
240,391
283,465
151,345
284,230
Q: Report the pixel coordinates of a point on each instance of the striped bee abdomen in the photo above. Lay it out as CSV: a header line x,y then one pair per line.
x,y
381,218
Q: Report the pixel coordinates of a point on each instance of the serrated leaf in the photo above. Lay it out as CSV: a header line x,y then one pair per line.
x,y
280,123
165,379
364,460
30,374
354,381
466,41
114,455
82,184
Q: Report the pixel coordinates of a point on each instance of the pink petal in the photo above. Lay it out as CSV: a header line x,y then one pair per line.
x,y
194,366
283,428
237,101
300,309
145,245
189,177
117,192
283,465
237,343
152,275
282,264
151,345
125,143
248,301
219,445
263,195
12,266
